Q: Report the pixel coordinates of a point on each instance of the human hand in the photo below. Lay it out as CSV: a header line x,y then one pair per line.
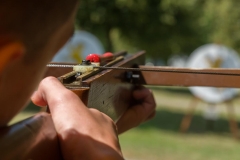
x,y
83,133
140,112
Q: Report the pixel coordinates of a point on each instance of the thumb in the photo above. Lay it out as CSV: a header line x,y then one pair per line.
x,y
49,87
38,99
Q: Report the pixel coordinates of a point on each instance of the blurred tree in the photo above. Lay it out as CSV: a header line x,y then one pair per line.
x,y
161,27
221,21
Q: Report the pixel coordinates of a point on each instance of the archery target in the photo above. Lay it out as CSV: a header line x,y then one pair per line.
x,y
213,56
78,47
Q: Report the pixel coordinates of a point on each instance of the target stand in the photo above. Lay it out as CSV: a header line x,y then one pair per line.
x,y
186,121
213,56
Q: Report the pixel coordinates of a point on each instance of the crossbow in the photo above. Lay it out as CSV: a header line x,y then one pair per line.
x,y
105,82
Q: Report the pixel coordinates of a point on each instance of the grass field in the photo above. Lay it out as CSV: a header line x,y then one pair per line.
x,y
159,139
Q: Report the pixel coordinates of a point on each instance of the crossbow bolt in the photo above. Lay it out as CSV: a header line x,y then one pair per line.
x,y
92,60
85,66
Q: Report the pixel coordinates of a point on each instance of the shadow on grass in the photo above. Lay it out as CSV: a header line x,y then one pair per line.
x,y
170,121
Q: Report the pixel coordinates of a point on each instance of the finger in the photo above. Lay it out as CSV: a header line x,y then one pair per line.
x,y
51,89
56,94
63,104
147,99
38,100
139,112
144,94
131,118
151,115
141,93
99,116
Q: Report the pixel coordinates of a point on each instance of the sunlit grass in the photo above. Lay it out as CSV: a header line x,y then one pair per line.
x,y
158,144
161,139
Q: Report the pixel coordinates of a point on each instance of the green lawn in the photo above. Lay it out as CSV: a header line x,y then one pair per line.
x,y
160,137
154,144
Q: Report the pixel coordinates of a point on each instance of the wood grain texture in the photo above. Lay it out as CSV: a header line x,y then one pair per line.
x,y
108,91
190,79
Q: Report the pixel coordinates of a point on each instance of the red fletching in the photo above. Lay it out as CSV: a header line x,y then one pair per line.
x,y
93,58
108,54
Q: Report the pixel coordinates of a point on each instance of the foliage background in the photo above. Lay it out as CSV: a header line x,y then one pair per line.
x,y
161,27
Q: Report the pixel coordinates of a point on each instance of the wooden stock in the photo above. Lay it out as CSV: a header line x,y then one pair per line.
x,y
107,91
195,77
